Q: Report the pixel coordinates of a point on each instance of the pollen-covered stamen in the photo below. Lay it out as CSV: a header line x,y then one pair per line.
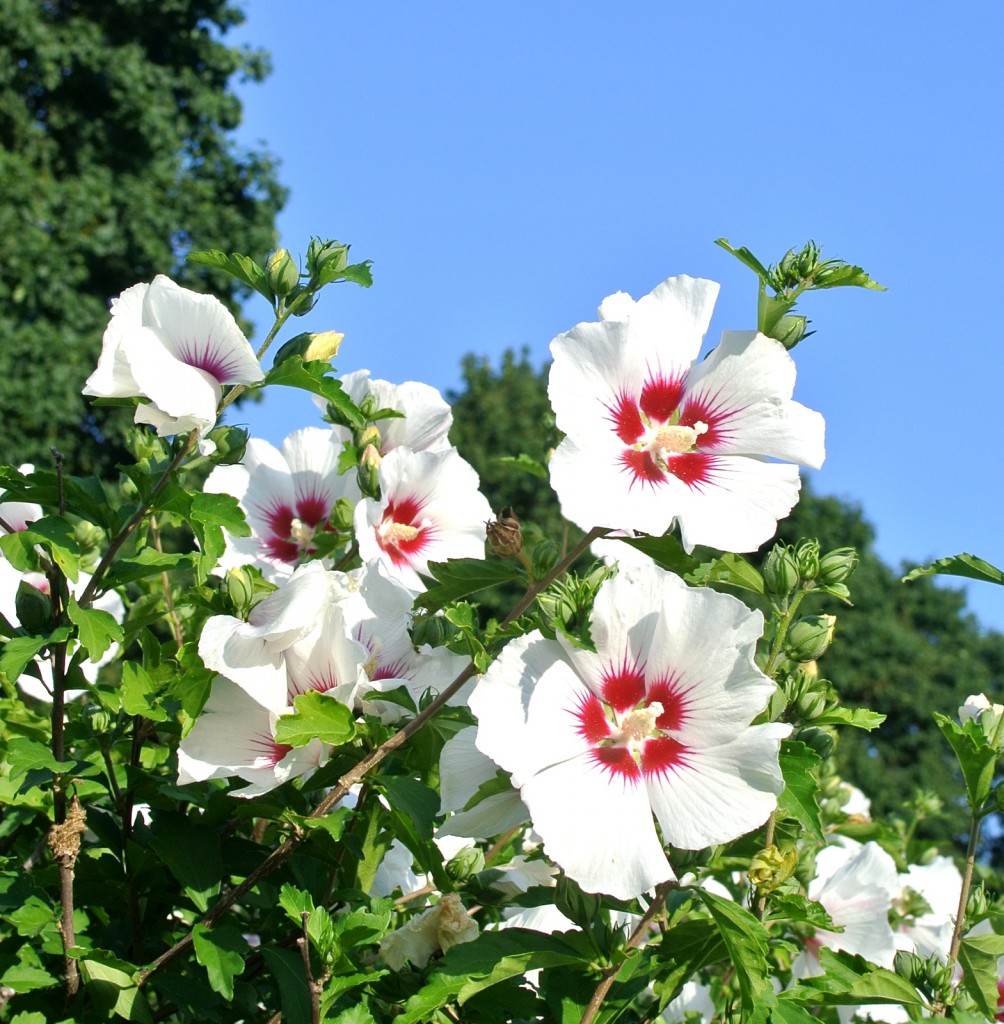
x,y
638,725
677,439
300,533
394,533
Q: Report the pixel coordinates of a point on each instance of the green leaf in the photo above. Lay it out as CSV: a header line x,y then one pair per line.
x,y
665,551
209,516
800,795
524,462
25,755
857,718
137,687
147,562
790,906
978,957
287,969
746,940
976,757
27,978
18,651
968,566
111,984
688,946
491,958
313,377
191,852
237,266
413,808
359,273
317,716
746,258
459,577
96,630
221,951
733,570
849,980
31,917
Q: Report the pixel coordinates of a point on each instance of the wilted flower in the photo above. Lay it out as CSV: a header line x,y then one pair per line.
x,y
436,930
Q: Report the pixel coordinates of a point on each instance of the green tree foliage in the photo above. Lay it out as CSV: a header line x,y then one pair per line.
x,y
904,650
116,159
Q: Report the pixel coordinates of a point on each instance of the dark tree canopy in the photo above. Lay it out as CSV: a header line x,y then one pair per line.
x,y
904,650
116,158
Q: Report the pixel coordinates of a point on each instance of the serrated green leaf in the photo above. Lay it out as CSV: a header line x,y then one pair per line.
x,y
524,462
314,377
317,716
359,273
790,906
97,630
221,951
849,980
745,257
459,577
237,266
136,690
978,955
30,918
801,790
19,650
491,958
976,757
967,566
857,718
732,570
746,940
24,755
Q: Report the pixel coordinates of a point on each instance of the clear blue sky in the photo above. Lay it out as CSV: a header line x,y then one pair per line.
x,y
506,166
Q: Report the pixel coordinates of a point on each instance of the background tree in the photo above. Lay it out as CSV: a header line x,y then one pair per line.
x,y
116,159
904,650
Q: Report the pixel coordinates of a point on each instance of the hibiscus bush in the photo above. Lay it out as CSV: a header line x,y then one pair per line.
x,y
264,759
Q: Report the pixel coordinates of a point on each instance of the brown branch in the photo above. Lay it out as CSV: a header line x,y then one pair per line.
x,y
662,890
363,767
313,987
64,841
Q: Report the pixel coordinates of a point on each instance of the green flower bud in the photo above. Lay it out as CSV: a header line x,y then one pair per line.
x,y
819,739
327,259
977,903
87,535
281,272
99,720
809,637
790,330
780,571
429,629
368,474
231,443
810,705
772,867
370,436
241,590
807,556
836,565
466,862
342,515
34,609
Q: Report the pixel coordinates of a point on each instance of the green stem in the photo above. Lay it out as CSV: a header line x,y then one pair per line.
x,y
967,881
781,633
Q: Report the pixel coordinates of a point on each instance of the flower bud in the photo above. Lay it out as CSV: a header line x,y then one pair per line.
x,y
504,535
790,330
977,904
87,535
429,629
370,436
34,609
342,515
464,863
780,571
772,867
836,565
810,705
99,719
819,739
807,556
988,715
281,272
368,474
240,590
231,443
327,259
809,637
323,347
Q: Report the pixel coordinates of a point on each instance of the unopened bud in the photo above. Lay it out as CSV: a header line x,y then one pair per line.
x,y
342,515
99,720
504,535
807,556
323,347
819,739
466,862
370,436
368,474
836,565
809,637
326,259
34,609
790,330
977,904
240,590
810,706
87,535
773,866
780,571
231,444
281,272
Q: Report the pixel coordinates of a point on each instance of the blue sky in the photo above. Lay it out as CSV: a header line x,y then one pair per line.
x,y
508,166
